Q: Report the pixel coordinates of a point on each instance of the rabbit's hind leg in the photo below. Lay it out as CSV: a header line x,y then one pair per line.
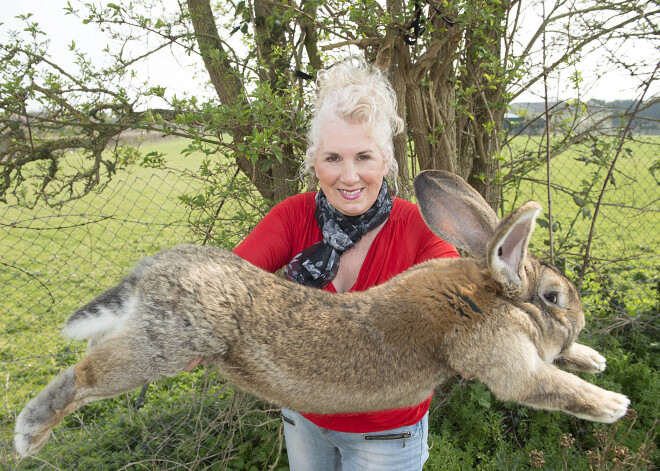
x,y
115,366
41,414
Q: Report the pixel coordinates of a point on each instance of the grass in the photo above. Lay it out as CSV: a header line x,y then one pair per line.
x,y
633,192
52,261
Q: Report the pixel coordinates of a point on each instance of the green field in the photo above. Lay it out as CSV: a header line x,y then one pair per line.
x,y
53,261
630,204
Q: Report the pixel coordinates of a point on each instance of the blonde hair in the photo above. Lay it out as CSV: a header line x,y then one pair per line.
x,y
353,90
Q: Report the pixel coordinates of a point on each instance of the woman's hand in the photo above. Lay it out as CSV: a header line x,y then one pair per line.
x,y
192,364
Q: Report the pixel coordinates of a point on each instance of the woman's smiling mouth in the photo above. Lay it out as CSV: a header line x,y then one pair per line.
x,y
351,194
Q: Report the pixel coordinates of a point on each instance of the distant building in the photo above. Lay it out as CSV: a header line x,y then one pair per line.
x,y
513,123
523,122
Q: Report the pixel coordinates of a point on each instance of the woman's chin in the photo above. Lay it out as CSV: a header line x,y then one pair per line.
x,y
351,204
352,208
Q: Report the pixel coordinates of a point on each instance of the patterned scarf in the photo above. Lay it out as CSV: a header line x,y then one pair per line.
x,y
317,265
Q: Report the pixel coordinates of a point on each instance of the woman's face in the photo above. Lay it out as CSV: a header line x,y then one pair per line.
x,y
350,167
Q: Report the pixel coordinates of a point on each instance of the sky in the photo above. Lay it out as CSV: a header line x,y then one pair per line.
x,y
178,74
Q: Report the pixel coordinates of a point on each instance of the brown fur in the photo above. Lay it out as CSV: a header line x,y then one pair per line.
x,y
492,317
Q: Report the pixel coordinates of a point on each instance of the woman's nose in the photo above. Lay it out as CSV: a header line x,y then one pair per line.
x,y
349,173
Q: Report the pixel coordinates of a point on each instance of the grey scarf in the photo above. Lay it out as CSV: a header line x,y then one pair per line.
x,y
317,265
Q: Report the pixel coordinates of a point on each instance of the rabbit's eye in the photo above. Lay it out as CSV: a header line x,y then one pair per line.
x,y
551,297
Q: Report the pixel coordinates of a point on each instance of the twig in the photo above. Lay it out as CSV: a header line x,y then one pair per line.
x,y
217,212
547,148
31,275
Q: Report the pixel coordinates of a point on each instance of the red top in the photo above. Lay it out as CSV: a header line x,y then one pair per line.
x,y
403,241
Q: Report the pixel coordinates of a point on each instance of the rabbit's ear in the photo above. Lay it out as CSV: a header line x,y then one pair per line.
x,y
455,211
507,249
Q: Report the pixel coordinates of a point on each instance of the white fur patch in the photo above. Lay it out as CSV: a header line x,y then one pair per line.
x,y
22,433
21,445
104,322
552,354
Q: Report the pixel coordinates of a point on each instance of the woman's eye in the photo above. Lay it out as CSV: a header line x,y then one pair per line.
x,y
332,158
364,157
551,297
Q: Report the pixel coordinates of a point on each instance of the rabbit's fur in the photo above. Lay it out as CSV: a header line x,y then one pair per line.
x,y
503,317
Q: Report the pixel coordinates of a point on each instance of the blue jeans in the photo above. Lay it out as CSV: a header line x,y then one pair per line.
x,y
312,448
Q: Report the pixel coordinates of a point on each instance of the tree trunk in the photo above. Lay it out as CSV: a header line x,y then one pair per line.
x,y
481,130
278,181
274,68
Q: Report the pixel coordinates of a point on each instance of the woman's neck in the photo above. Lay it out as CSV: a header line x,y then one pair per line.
x,y
350,262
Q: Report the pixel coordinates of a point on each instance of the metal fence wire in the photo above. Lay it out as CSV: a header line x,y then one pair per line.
x,y
54,260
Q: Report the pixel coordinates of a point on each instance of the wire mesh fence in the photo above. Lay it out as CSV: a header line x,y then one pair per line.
x,y
55,260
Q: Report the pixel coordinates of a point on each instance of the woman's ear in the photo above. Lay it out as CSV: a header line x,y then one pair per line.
x,y
386,168
316,173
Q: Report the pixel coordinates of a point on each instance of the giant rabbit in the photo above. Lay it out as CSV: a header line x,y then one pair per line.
x,y
503,316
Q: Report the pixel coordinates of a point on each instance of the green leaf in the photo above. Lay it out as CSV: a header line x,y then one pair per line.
x,y
240,6
480,395
265,165
579,201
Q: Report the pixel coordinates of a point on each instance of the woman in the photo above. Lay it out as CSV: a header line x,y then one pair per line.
x,y
349,236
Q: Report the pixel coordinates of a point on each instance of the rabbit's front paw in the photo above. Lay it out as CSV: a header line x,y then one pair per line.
x,y
611,407
582,358
615,408
597,360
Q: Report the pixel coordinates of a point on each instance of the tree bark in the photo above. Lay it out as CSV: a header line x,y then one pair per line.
x,y
481,132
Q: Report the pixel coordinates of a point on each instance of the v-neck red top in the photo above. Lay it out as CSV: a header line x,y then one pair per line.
x,y
403,241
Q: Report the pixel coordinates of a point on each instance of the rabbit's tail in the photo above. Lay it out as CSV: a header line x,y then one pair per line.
x,y
109,311
103,314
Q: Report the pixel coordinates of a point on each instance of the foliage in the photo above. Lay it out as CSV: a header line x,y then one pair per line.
x,y
226,207
455,67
